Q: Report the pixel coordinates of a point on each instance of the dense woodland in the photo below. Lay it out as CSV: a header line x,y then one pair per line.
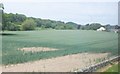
x,y
20,22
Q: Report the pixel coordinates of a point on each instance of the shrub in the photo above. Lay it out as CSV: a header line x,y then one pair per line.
x,y
28,24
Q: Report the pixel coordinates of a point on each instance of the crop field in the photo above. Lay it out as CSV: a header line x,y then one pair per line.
x,y
66,42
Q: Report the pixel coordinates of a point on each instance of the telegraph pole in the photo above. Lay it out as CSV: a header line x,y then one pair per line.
x,y
1,16
1,22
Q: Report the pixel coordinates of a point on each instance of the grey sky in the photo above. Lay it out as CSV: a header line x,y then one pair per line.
x,y
78,12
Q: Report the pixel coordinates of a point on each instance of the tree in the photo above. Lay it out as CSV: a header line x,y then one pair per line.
x,y
92,26
12,21
86,27
117,27
78,26
15,22
38,22
72,25
14,18
108,27
95,26
28,24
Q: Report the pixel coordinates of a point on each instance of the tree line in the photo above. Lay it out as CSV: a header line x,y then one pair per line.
x,y
20,22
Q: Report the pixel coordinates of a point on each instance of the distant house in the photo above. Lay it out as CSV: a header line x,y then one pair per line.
x,y
101,29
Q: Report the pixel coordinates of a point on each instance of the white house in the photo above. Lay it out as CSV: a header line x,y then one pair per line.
x,y
101,29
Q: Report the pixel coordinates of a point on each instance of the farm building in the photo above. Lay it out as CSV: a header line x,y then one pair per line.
x,y
101,29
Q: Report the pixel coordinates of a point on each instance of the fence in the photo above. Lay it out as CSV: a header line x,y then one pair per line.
x,y
100,65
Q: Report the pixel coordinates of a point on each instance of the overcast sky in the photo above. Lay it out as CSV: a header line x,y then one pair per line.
x,y
78,11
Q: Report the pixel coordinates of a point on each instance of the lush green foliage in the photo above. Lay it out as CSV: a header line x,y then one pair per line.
x,y
13,22
28,24
92,26
67,41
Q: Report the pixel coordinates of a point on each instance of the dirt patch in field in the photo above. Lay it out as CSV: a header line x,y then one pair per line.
x,y
37,49
59,64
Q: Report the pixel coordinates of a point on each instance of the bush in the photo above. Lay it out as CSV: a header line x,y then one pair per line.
x,y
28,24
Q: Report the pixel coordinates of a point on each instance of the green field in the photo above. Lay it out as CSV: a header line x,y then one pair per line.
x,y
67,41
114,68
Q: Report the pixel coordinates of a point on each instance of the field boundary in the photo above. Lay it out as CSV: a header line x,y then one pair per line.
x,y
100,65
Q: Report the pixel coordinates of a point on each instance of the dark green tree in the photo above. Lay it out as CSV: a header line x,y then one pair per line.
x,y
95,26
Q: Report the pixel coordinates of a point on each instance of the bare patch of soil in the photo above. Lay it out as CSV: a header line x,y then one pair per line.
x,y
37,49
59,64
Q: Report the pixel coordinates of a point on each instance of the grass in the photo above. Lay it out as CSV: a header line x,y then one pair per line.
x,y
114,68
67,41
